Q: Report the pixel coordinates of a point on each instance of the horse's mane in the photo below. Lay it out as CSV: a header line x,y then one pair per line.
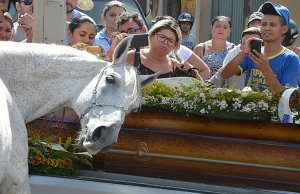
x,y
39,58
135,81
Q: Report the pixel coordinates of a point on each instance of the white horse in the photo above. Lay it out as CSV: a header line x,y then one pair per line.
x,y
39,78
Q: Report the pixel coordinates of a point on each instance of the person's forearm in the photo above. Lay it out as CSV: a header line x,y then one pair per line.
x,y
198,76
202,67
217,79
111,51
205,73
232,67
271,80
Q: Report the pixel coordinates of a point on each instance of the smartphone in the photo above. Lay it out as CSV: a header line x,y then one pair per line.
x,y
139,40
255,45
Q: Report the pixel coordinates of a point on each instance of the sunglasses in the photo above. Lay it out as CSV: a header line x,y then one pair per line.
x,y
27,2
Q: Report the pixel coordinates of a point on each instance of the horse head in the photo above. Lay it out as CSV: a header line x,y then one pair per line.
x,y
114,93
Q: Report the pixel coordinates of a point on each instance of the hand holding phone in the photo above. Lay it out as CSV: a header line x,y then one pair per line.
x,y
255,45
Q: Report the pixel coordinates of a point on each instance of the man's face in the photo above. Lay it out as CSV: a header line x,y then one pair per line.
x,y
130,27
271,28
185,26
3,8
25,8
70,5
254,23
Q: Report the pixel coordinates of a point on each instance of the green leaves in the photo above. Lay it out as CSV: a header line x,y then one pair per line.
x,y
42,159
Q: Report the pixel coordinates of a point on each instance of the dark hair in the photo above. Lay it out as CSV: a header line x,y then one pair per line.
x,y
130,16
282,21
24,0
251,30
165,17
222,18
111,4
76,22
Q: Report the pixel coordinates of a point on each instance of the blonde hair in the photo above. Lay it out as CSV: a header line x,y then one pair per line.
x,y
167,24
8,17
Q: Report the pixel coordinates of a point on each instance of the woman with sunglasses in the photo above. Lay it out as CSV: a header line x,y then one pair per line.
x,y
164,37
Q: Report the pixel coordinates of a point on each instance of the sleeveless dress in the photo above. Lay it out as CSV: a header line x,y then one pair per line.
x,y
215,60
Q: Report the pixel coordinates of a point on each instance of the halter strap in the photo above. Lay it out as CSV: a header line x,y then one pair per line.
x,y
94,102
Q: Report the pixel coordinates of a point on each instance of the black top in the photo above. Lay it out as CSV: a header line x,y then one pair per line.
x,y
143,70
146,71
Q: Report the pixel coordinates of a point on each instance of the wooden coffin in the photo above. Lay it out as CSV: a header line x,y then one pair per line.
x,y
208,150
200,149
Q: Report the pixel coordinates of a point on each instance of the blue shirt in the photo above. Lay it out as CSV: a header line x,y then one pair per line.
x,y
76,14
285,65
101,39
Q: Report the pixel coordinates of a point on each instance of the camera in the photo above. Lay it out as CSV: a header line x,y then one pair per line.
x,y
139,40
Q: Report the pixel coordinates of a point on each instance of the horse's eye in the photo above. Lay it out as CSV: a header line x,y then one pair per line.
x,y
110,79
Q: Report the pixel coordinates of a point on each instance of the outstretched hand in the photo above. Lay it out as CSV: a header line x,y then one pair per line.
x,y
80,46
260,61
26,21
187,67
116,38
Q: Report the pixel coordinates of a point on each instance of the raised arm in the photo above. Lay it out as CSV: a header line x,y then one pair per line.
x,y
232,67
203,69
130,57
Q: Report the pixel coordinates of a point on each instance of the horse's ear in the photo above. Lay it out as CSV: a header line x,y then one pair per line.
x,y
120,54
147,79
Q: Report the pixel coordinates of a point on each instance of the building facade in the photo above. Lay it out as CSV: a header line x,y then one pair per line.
x,y
205,10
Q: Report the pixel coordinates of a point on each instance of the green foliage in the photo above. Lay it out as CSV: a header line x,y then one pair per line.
x,y
43,159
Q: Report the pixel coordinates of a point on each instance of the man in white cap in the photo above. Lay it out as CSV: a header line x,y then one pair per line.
x,y
276,67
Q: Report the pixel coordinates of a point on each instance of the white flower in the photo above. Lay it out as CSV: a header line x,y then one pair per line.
x,y
246,91
246,109
222,105
202,111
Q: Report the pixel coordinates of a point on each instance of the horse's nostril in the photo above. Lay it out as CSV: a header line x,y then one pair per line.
x,y
97,133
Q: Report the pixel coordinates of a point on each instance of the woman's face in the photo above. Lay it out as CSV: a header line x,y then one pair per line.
x,y
111,17
85,33
6,32
221,29
164,41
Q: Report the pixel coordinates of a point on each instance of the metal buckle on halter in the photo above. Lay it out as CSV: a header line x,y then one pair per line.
x,y
94,97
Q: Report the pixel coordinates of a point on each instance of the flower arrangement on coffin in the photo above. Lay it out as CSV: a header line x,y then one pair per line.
x,y
197,98
61,159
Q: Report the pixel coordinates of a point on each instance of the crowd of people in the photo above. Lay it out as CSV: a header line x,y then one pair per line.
x,y
172,49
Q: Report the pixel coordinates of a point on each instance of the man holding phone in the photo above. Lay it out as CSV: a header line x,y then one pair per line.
x,y
276,67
